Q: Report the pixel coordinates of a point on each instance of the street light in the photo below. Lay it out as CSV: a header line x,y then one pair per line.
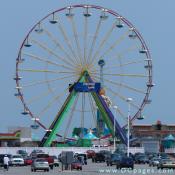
x,y
115,108
129,111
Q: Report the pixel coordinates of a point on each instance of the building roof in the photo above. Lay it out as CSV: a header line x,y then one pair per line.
x,y
169,137
90,136
10,136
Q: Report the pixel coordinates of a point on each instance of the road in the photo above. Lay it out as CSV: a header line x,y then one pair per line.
x,y
92,169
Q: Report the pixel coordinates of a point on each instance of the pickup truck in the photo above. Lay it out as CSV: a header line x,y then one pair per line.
x,y
48,158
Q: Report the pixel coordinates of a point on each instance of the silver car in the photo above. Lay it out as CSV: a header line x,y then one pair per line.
x,y
166,164
40,164
154,161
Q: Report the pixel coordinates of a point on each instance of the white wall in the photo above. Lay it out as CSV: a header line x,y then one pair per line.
x,y
57,150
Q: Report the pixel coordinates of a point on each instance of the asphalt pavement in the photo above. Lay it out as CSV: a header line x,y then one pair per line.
x,y
91,169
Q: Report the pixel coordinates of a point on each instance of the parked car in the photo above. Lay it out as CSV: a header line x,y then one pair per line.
x,y
76,164
163,160
90,153
154,161
113,159
40,164
56,162
106,153
17,160
48,158
34,153
125,162
137,155
163,155
99,157
151,155
23,153
166,164
28,161
142,160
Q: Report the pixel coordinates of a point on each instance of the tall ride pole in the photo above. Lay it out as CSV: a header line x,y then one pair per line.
x,y
115,108
100,122
128,119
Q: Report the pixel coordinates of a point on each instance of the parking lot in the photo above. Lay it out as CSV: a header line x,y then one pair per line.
x,y
91,169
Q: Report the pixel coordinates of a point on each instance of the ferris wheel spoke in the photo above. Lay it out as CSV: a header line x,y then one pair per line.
x,y
128,75
128,87
44,47
93,70
126,51
67,41
121,114
85,40
68,57
103,43
73,25
45,71
125,75
120,111
41,96
94,40
93,109
124,85
117,42
45,81
46,61
71,116
123,65
50,103
122,97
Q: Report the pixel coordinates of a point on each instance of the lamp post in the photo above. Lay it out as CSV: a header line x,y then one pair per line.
x,y
128,134
115,108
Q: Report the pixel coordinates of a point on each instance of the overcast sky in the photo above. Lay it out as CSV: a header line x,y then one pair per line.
x,y
153,18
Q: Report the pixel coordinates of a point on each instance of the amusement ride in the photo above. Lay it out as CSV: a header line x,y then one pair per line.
x,y
73,66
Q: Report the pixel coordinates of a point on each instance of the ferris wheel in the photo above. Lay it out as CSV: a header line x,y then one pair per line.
x,y
79,61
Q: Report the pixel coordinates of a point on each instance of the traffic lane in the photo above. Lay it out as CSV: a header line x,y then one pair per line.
x,y
91,169
139,169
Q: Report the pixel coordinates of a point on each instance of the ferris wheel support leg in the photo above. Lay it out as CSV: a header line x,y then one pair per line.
x,y
51,134
53,129
109,118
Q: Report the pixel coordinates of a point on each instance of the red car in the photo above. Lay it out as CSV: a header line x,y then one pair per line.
x,y
76,165
90,153
28,161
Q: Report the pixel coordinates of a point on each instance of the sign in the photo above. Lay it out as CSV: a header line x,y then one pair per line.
x,y
86,87
67,157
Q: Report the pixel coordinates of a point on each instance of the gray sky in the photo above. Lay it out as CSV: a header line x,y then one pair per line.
x,y
153,19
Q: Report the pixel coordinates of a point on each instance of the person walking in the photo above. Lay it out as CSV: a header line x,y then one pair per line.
x,y
6,162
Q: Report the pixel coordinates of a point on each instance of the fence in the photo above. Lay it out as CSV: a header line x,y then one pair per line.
x,y
58,150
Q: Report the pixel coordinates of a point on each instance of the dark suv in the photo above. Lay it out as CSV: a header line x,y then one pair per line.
x,y
125,162
113,159
23,153
142,160
99,157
